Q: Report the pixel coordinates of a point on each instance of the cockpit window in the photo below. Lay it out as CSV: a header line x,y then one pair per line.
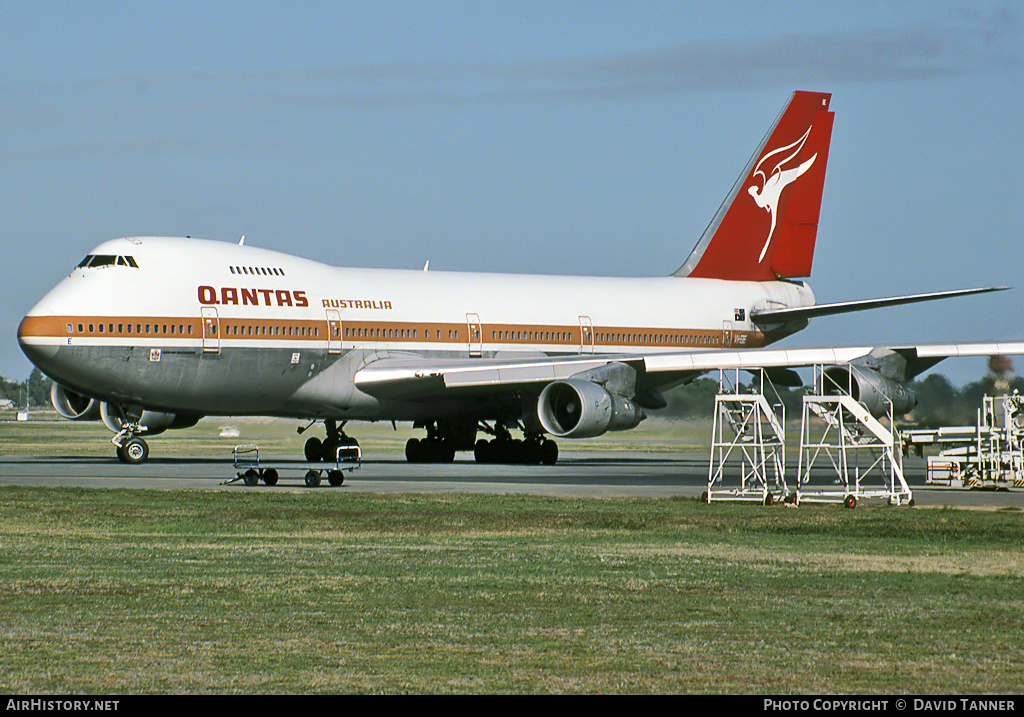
x,y
93,261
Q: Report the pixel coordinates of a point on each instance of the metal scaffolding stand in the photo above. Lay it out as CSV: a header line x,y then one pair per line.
x,y
861,454
989,454
748,450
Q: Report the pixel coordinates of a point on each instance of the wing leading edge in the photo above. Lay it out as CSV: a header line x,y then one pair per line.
x,y
421,378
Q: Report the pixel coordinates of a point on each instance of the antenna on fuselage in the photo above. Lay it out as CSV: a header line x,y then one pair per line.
x,y
427,265
242,240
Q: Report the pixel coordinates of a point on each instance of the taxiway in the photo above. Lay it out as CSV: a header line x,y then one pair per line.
x,y
580,475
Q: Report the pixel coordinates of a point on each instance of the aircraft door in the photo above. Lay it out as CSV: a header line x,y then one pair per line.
x,y
476,336
586,335
727,334
211,330
333,331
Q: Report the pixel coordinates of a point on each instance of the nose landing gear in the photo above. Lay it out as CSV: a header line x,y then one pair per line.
x,y
130,448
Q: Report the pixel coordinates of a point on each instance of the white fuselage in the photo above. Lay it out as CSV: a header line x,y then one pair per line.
x,y
210,327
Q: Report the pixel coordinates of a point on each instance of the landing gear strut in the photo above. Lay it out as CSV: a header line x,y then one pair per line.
x,y
327,449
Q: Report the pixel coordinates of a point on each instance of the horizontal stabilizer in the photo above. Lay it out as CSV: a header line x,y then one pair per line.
x,y
798,313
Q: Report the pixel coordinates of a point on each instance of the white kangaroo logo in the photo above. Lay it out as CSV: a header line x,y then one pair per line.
x,y
777,179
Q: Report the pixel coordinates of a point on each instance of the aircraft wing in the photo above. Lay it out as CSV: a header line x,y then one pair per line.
x,y
408,377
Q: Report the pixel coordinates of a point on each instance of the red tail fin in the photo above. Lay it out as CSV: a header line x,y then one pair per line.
x,y
766,227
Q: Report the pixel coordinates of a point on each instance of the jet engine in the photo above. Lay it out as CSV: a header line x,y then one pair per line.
x,y
578,408
150,422
74,405
872,389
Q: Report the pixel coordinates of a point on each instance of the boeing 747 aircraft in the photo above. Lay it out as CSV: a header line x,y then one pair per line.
x,y
216,328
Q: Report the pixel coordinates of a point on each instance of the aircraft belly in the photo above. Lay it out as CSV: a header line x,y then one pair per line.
x,y
234,381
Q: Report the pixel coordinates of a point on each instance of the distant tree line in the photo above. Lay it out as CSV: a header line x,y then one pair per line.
x,y
35,389
939,402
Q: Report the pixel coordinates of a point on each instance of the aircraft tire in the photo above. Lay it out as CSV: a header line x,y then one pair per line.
x,y
412,450
313,450
335,477
548,452
270,476
482,451
133,451
429,451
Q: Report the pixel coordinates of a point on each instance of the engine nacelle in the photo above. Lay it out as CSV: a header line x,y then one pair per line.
x,y
152,422
577,408
74,405
873,390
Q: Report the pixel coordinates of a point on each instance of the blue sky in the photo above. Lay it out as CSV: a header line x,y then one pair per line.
x,y
546,137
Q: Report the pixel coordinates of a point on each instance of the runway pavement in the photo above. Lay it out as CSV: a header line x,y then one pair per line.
x,y
582,474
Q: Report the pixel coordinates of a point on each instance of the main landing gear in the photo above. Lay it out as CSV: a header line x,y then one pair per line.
x,y
327,449
533,449
443,441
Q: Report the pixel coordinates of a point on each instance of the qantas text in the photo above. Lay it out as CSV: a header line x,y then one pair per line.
x,y
252,297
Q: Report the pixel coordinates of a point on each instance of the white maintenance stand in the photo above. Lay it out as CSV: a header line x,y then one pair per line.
x,y
846,454
748,450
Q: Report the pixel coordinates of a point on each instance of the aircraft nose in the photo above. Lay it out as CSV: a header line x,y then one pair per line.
x,y
38,336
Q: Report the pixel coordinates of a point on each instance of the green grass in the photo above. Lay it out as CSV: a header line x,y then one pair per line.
x,y
111,591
